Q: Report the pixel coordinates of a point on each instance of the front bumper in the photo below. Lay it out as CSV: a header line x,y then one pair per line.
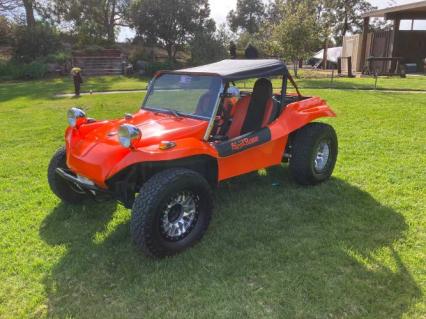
x,y
85,186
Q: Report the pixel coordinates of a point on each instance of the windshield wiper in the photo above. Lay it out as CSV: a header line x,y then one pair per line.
x,y
174,112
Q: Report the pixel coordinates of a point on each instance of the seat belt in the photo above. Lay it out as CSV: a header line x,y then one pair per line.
x,y
227,120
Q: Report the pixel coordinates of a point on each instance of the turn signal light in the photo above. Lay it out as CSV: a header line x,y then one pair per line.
x,y
165,145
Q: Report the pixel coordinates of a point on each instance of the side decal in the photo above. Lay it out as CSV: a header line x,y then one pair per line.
x,y
243,142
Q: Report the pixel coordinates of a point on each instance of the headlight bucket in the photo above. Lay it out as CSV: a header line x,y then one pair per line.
x,y
76,117
129,135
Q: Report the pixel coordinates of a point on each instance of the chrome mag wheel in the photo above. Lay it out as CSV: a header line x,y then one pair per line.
x,y
322,156
179,216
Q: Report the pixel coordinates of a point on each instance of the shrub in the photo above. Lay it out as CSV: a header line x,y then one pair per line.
x,y
93,49
140,54
152,68
34,43
59,57
29,71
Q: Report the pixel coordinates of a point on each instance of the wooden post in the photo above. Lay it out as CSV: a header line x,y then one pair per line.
x,y
394,53
396,24
376,76
365,30
339,66
350,67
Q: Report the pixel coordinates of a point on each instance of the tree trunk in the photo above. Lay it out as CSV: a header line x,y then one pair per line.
x,y
325,55
345,27
111,24
111,35
169,48
175,50
29,13
295,65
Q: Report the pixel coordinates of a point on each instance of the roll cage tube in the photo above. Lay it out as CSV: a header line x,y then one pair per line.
x,y
220,97
284,89
287,77
222,94
148,91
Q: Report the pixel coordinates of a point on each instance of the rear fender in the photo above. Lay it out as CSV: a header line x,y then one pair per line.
x,y
298,114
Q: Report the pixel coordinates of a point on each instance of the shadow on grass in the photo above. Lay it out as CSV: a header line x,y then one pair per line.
x,y
31,89
273,249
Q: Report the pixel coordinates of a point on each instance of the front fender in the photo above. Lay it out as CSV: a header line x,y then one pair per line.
x,y
186,147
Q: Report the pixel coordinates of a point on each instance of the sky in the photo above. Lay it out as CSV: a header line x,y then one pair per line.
x,y
220,8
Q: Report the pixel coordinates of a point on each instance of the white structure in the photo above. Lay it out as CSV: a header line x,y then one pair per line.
x,y
333,54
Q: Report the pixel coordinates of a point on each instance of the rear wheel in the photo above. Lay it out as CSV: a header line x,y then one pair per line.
x,y
313,153
171,212
65,190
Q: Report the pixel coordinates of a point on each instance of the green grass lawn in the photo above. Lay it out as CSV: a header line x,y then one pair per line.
x,y
353,247
308,80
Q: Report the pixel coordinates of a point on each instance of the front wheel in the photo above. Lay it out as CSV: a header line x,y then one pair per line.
x,y
66,191
314,150
171,212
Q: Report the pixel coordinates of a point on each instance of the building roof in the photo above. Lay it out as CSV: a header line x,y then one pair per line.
x,y
233,70
416,10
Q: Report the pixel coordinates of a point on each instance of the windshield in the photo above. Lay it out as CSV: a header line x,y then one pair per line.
x,y
193,95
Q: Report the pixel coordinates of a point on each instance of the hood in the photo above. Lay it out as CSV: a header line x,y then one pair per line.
x,y
155,127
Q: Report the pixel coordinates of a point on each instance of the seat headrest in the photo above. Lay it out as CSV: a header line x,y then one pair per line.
x,y
263,87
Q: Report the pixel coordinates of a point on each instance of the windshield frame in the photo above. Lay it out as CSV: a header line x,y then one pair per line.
x,y
183,114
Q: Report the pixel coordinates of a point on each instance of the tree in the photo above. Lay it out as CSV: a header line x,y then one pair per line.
x,y
326,19
29,12
338,17
12,6
248,16
38,42
349,17
5,31
170,24
295,36
208,44
93,20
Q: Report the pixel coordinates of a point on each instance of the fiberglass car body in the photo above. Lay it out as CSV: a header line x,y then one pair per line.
x,y
194,129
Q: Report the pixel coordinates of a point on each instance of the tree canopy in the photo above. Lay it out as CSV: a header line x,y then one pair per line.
x,y
92,19
171,24
15,6
295,36
5,31
348,17
291,29
248,16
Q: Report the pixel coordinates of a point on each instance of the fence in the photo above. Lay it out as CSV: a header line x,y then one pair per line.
x,y
329,79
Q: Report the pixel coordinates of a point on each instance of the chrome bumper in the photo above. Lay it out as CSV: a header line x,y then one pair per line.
x,y
81,184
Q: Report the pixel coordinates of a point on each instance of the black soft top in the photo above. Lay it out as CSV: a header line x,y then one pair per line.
x,y
233,70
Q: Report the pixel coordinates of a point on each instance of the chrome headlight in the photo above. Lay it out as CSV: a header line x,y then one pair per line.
x,y
129,135
76,117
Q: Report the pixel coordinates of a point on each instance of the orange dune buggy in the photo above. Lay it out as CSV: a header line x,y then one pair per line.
x,y
194,129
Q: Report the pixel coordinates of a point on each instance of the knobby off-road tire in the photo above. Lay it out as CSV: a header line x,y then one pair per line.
x,y
314,150
60,187
162,199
